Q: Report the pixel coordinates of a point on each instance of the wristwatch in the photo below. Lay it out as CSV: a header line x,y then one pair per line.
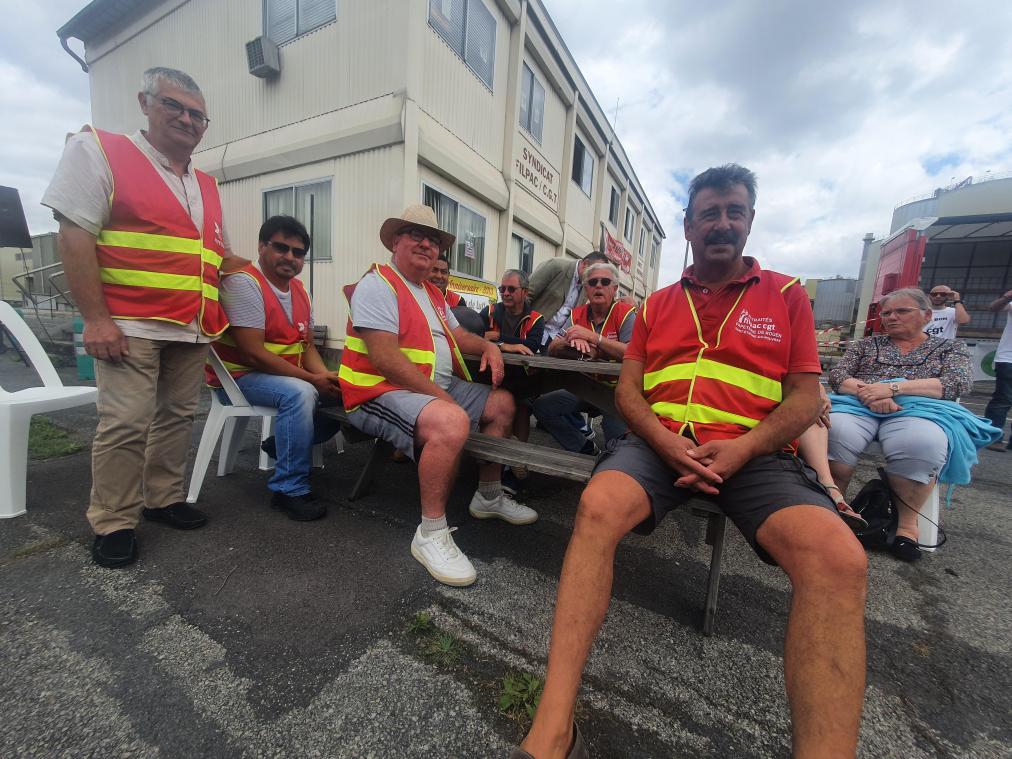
x,y
895,388
956,302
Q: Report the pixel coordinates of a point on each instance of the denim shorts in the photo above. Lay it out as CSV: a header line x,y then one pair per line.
x,y
763,486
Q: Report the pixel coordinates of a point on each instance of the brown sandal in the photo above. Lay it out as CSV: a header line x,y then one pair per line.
x,y
854,520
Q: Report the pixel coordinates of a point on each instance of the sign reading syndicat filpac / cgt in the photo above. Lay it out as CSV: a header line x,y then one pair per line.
x,y
533,172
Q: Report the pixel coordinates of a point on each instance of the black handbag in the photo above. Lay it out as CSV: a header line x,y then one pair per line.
x,y
876,504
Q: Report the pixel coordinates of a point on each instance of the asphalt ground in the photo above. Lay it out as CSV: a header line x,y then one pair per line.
x,y
262,637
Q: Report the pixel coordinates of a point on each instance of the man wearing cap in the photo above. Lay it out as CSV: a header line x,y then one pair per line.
x,y
947,312
403,379
268,349
142,241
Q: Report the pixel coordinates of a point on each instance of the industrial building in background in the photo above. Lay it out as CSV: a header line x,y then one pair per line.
x,y
960,236
343,113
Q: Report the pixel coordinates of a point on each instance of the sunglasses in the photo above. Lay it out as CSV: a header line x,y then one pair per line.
x,y
175,109
418,235
509,289
603,281
285,248
938,295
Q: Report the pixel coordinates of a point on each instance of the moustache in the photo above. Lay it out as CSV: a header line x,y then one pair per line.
x,y
724,237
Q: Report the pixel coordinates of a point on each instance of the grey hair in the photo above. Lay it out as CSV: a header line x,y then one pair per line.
x,y
722,179
915,294
612,269
149,84
525,281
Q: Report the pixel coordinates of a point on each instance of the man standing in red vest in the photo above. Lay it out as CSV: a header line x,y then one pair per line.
x,y
403,379
268,349
142,242
721,376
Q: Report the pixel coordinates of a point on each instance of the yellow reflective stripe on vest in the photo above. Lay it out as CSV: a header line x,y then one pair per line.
x,y
209,291
160,280
359,379
754,383
414,355
234,367
697,413
166,243
280,349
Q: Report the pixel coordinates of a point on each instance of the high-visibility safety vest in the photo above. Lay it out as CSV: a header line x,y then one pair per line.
x,y
287,339
526,323
360,380
453,299
720,390
610,329
153,262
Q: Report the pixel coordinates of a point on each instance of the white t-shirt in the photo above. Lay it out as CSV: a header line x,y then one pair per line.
x,y
1004,352
943,323
374,306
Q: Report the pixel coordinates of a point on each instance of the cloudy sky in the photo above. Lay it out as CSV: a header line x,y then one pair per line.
x,y
843,110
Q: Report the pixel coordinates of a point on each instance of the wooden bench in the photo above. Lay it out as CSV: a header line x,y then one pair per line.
x,y
550,461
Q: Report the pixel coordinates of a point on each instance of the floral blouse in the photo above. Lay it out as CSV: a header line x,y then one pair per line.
x,y
877,358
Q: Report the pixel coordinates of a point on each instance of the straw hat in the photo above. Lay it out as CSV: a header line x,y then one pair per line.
x,y
419,216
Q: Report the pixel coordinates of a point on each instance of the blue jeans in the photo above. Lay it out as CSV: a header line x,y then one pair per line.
x,y
297,428
1001,401
554,412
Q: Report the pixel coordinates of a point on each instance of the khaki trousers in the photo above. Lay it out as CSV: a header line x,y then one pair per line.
x,y
146,406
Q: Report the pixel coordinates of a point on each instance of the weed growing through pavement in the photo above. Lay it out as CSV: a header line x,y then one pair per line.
x,y
520,695
49,441
443,648
421,624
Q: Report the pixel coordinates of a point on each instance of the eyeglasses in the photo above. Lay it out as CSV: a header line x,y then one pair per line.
x,y
284,248
418,235
175,109
509,289
595,281
898,311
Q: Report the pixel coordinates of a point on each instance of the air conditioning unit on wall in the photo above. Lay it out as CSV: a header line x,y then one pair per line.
x,y
263,58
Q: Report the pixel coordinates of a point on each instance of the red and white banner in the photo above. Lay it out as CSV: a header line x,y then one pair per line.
x,y
615,250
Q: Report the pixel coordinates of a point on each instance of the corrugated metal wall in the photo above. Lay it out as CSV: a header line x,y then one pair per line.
x,y
366,189
331,67
454,96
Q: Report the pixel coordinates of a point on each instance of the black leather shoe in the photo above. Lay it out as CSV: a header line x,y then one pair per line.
x,y
270,447
180,515
301,508
117,549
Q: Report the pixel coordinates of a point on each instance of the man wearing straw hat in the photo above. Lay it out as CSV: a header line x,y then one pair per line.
x,y
403,379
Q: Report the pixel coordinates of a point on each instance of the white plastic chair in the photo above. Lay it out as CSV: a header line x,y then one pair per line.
x,y
930,516
17,409
229,422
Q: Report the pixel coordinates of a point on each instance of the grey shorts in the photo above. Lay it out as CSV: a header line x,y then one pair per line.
x,y
392,416
915,449
763,486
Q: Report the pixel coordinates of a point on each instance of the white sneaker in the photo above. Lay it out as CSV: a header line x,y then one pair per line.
x,y
503,507
441,557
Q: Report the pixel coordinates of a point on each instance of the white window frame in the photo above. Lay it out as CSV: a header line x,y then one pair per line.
x,y
584,177
655,251
456,232
528,245
461,52
614,203
630,224
316,253
267,29
528,103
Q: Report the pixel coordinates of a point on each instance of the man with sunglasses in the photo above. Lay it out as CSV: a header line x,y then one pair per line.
x,y
600,328
720,376
268,349
142,241
403,379
947,312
